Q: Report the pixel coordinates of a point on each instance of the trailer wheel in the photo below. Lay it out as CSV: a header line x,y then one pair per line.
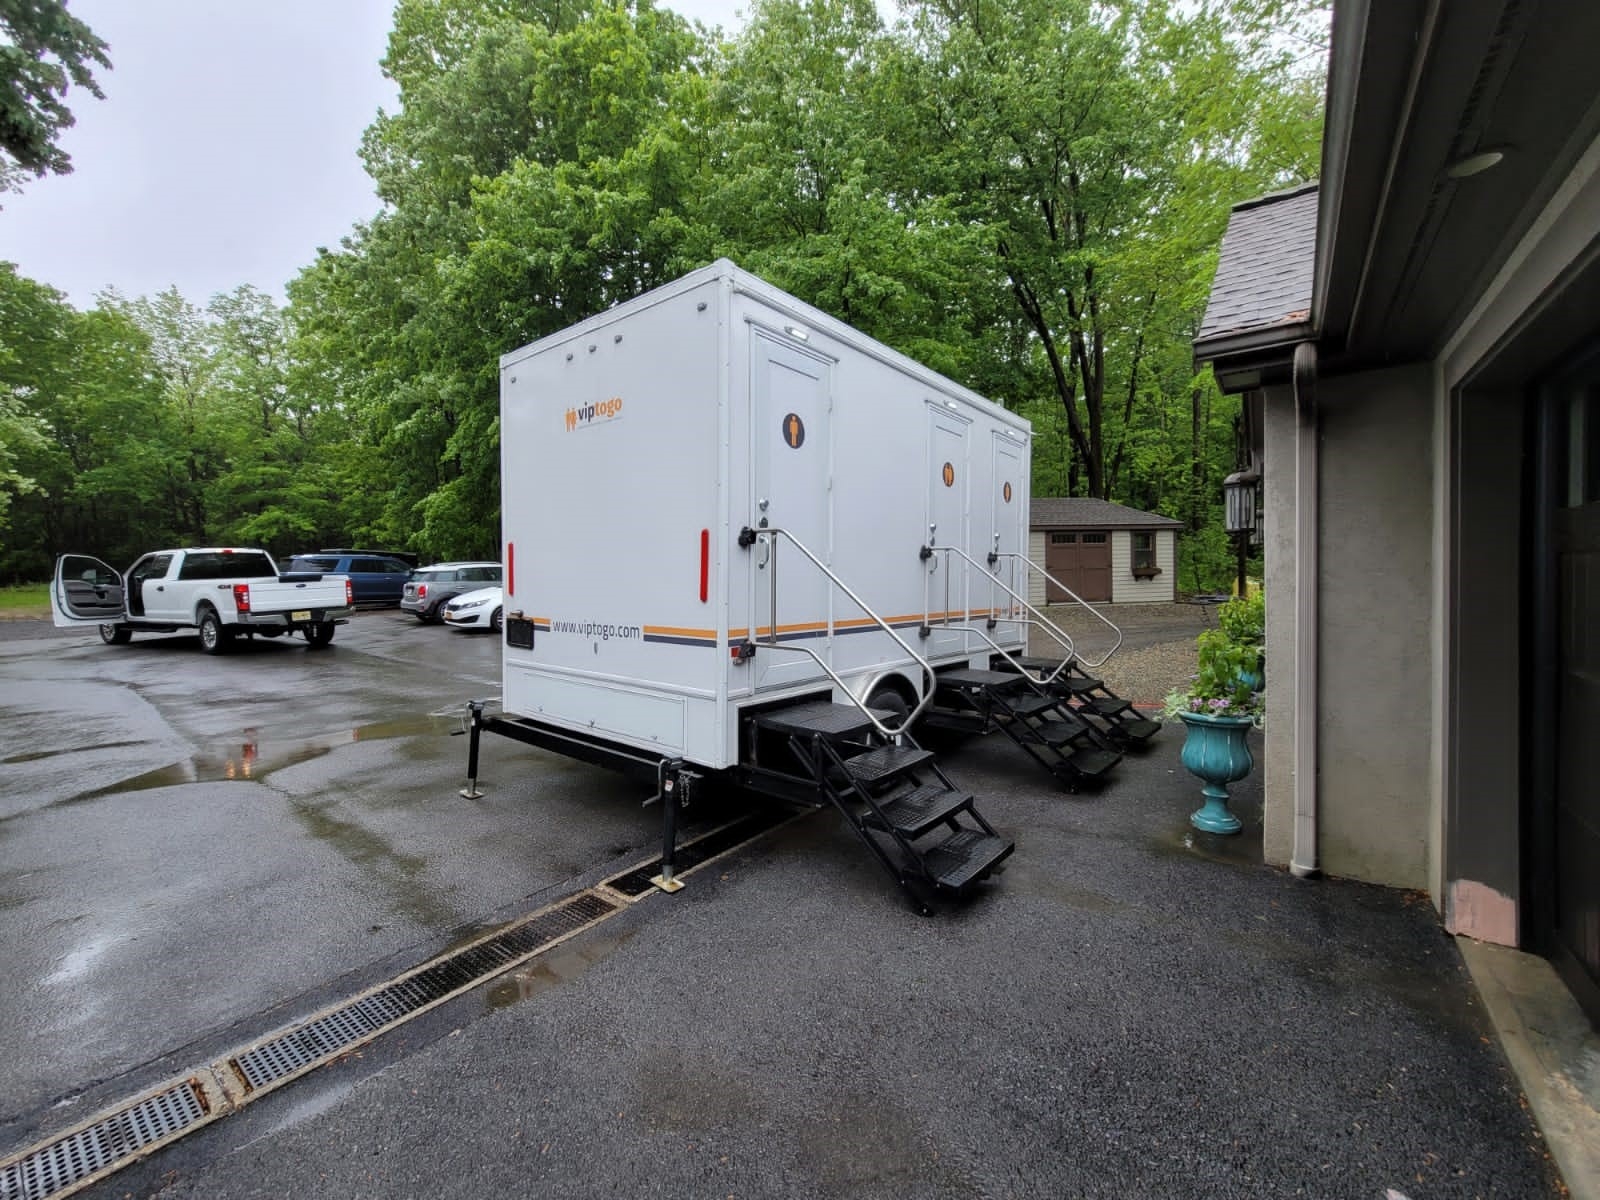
x,y
887,697
214,636
319,635
111,635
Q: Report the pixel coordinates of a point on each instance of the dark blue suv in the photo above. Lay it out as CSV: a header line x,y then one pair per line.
x,y
375,578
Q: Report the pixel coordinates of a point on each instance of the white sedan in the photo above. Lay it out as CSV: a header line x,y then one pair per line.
x,y
475,610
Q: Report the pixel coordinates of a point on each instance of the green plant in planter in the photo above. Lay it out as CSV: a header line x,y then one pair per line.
x,y
1219,708
1244,619
1224,684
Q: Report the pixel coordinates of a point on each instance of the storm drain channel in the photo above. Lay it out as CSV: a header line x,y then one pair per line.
x,y
133,1130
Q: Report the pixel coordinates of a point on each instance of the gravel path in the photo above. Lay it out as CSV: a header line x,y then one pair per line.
x,y
1158,644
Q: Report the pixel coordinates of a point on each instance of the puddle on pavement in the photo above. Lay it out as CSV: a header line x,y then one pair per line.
x,y
1050,887
36,755
553,967
1241,849
256,754
78,961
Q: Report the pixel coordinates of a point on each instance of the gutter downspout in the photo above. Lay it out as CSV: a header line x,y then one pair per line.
x,y
1307,527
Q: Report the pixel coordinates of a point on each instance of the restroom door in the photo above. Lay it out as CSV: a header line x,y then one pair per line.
x,y
948,574
1007,526
791,406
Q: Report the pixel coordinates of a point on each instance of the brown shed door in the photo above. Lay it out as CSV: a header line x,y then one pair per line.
x,y
1079,561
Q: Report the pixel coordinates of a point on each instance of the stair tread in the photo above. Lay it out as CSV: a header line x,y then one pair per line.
x,y
1140,728
1079,683
961,858
975,677
1033,662
915,812
961,720
1093,762
1027,706
819,716
884,762
1059,733
1109,706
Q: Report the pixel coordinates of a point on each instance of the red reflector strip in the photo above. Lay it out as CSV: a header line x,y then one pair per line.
x,y
511,568
705,565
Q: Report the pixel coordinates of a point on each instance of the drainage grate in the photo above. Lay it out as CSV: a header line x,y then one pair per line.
x,y
636,883
61,1165
334,1033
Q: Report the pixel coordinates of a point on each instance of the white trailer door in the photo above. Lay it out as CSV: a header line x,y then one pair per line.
x,y
1007,522
790,409
948,480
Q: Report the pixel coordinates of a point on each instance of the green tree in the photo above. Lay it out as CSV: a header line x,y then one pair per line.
x,y
534,176
44,52
32,343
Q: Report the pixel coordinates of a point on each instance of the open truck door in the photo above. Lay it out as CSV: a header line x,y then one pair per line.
x,y
87,592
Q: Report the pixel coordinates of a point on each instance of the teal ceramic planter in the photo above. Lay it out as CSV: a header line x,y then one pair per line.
x,y
1216,751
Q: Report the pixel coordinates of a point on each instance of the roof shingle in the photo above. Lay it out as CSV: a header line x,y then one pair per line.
x,y
1082,512
1264,275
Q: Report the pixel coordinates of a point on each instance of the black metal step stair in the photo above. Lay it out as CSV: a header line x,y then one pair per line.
x,y
885,762
1089,697
918,824
966,857
1043,724
918,810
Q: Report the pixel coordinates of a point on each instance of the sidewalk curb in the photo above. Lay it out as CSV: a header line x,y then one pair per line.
x,y
1553,1051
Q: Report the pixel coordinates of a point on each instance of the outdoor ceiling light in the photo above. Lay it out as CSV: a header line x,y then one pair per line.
x,y
1473,164
795,331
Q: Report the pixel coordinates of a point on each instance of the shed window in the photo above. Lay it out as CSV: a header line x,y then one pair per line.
x,y
1144,555
1063,539
1094,539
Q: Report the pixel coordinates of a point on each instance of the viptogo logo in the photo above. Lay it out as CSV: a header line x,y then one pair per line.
x,y
596,412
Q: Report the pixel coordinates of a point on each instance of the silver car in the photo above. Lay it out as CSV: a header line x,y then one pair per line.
x,y
429,587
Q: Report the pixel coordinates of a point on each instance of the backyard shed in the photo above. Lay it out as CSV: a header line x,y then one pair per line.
x,y
1104,552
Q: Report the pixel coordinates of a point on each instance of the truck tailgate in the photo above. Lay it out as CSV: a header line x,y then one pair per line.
x,y
273,596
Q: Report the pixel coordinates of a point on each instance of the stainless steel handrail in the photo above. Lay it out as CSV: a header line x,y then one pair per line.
x,y
1079,600
1049,626
770,536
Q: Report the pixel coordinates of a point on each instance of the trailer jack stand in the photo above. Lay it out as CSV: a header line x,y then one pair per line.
x,y
673,792
471,792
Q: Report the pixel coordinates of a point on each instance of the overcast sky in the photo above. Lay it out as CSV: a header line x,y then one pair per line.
x,y
225,151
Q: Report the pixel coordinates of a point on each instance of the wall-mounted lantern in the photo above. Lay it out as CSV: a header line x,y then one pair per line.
x,y
1239,494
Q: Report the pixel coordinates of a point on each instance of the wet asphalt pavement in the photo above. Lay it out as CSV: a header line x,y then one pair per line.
x,y
194,851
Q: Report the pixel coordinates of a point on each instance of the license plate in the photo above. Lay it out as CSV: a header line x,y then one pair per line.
x,y
303,614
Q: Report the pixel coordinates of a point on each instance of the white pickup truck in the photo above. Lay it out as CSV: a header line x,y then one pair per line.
x,y
219,592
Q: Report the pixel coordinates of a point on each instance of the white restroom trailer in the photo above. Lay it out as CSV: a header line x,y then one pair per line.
x,y
639,446
742,538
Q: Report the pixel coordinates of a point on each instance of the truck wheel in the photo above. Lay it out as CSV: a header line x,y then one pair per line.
x,y
214,637
320,634
496,620
112,636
